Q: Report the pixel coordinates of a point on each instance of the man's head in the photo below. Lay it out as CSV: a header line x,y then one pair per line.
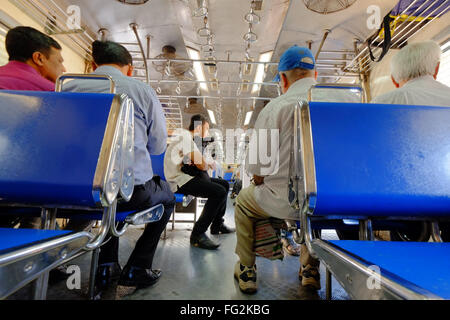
x,y
112,54
36,49
295,64
199,125
415,60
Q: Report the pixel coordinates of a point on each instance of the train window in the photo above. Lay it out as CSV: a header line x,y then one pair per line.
x,y
3,53
444,70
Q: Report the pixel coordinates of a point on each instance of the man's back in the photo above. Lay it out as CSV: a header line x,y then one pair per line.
x,y
150,124
20,76
424,91
277,115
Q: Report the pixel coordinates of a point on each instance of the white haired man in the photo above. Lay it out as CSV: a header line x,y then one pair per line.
x,y
414,70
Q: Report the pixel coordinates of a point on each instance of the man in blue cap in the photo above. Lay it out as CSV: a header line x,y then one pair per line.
x,y
267,196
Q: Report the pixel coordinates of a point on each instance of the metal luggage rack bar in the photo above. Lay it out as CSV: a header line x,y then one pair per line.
x,y
362,61
40,11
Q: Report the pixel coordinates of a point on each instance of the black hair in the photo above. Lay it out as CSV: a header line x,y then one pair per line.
x,y
108,52
22,42
197,119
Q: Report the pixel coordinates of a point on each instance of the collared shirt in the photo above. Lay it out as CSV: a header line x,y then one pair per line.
x,y
150,137
17,75
422,91
272,196
175,157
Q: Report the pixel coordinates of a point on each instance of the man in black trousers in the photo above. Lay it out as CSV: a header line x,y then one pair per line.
x,y
114,60
186,168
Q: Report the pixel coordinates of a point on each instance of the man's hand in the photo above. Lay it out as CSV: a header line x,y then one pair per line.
x,y
212,165
257,180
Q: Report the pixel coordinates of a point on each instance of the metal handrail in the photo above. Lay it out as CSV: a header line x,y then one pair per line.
x,y
61,79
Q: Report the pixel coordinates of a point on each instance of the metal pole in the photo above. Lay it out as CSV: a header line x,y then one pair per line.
x,y
148,46
134,27
325,35
329,287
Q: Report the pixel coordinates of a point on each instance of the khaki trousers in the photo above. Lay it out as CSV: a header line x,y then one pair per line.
x,y
247,213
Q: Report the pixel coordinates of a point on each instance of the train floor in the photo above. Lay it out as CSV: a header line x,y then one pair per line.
x,y
196,274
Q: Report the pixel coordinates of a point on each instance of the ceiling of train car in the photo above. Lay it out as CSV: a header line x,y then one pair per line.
x,y
173,22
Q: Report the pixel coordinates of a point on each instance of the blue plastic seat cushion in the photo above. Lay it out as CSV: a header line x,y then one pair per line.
x,y
427,265
11,239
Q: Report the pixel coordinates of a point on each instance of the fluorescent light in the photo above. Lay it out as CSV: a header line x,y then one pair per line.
x,y
198,68
248,117
264,57
212,117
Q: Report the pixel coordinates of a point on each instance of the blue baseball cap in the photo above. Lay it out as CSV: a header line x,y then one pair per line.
x,y
295,57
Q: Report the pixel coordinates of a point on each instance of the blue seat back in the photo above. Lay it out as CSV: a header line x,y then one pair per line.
x,y
381,160
158,165
50,145
228,176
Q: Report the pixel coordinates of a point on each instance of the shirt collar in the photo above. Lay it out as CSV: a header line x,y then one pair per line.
x,y
302,82
418,79
111,71
23,66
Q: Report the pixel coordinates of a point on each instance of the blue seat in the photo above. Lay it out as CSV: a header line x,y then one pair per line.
x,y
26,254
57,152
228,176
376,163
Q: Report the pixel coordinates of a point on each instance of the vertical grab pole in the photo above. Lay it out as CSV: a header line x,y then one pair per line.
x,y
134,28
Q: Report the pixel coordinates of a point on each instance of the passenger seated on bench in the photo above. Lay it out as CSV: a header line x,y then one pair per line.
x,y
414,71
267,196
185,169
35,62
150,139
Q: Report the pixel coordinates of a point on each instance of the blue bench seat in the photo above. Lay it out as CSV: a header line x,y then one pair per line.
x,y
27,254
421,267
11,239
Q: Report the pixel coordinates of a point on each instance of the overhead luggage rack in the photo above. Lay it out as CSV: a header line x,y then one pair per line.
x,y
407,23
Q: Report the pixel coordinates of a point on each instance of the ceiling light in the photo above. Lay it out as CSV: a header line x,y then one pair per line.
x,y
248,117
198,68
212,117
260,72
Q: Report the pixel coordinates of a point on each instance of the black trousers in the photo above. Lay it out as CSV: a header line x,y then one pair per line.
x,y
216,191
154,192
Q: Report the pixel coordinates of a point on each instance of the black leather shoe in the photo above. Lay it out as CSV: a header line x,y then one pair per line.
x,y
139,277
223,229
202,241
106,274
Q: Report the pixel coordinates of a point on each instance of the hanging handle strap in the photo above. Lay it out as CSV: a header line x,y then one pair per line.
x,y
387,39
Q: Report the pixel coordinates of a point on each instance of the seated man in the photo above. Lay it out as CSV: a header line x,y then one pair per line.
x,y
267,196
414,71
150,139
35,62
185,169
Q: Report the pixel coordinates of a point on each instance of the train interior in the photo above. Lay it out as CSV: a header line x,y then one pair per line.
x,y
217,58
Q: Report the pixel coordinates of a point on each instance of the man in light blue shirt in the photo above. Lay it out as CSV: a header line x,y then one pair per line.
x,y
112,59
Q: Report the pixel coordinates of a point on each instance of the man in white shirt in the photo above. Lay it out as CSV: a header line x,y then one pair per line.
x,y
414,71
185,169
268,194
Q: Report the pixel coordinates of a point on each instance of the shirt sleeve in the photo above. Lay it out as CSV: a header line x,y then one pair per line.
x,y
156,124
